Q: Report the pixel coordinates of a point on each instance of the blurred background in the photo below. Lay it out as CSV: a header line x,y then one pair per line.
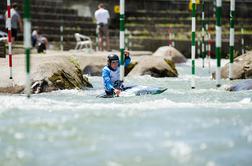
x,y
148,22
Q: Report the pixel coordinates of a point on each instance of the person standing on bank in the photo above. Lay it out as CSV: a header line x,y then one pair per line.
x,y
16,22
102,19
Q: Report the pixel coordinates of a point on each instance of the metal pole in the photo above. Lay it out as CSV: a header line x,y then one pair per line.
x,y
61,37
218,41
242,40
97,38
27,44
130,42
126,39
198,47
203,34
9,35
173,39
232,38
193,42
208,48
122,36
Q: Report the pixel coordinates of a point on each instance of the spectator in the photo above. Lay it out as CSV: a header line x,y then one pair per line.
x,y
102,19
34,37
42,42
16,21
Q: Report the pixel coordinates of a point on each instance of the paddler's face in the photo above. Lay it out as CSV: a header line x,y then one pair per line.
x,y
114,64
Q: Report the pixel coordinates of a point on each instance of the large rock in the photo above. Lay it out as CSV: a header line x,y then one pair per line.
x,y
65,73
155,67
170,53
242,67
48,74
93,70
243,85
93,65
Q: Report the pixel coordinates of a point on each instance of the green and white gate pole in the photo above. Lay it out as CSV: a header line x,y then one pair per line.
x,y
193,51
27,44
61,37
218,41
242,41
9,36
232,38
122,36
97,38
203,34
126,39
208,38
198,47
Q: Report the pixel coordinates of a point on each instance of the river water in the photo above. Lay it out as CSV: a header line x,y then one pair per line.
x,y
206,126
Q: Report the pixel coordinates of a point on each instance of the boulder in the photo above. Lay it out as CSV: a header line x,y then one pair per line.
x,y
170,53
130,67
243,85
242,67
48,73
65,73
155,67
93,65
93,70
12,89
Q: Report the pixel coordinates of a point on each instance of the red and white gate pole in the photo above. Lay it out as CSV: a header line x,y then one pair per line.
x,y
9,35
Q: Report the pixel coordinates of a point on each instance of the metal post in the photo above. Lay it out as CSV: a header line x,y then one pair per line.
x,y
198,47
193,42
208,47
203,34
126,39
242,41
173,39
97,38
122,36
9,36
27,43
218,41
232,38
130,41
61,37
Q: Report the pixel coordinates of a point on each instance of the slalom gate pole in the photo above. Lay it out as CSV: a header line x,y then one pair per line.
x,y
27,44
208,48
97,38
232,39
9,36
218,41
198,47
130,41
122,36
242,41
61,37
193,51
126,39
203,33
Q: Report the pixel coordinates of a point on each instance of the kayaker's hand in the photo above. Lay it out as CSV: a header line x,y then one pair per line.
x,y
117,92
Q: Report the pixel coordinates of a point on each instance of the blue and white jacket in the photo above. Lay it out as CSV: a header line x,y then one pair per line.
x,y
111,76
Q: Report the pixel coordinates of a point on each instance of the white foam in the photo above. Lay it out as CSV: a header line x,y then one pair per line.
x,y
245,101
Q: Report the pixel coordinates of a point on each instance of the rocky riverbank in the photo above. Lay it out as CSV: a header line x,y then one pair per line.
x,y
65,70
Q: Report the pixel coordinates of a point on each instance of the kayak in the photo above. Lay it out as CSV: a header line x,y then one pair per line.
x,y
136,91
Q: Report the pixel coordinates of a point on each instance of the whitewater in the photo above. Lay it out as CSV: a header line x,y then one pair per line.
x,y
205,126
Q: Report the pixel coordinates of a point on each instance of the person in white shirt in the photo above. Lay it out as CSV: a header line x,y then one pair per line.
x,y
102,19
16,21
